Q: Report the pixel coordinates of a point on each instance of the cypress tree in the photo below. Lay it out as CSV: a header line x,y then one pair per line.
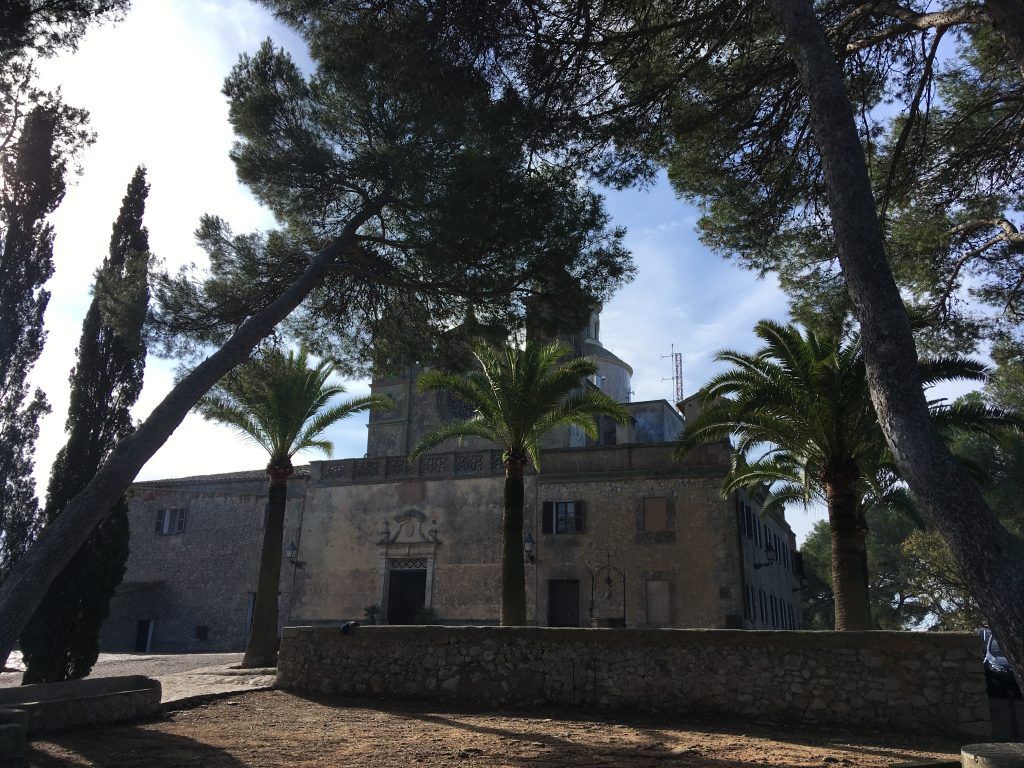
x,y
33,186
61,641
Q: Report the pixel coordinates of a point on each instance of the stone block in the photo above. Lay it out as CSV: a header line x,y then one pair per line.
x,y
15,716
992,756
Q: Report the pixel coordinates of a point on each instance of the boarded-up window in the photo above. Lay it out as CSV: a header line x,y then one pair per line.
x,y
655,513
658,612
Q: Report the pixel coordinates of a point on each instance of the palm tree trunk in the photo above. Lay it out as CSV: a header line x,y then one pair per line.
x,y
849,555
513,573
261,650
27,582
990,557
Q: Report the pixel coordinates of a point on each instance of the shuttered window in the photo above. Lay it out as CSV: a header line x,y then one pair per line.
x,y
563,517
170,521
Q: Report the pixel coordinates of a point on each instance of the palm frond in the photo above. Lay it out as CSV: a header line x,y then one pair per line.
x,y
951,368
973,417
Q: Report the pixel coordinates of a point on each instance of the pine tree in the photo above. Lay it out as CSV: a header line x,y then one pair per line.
x,y
33,174
62,640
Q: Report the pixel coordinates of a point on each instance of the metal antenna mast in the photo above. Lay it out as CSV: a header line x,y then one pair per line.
x,y
677,375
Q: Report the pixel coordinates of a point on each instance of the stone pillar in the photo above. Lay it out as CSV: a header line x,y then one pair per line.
x,y
993,756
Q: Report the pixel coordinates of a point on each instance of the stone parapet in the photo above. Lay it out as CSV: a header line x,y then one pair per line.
x,y
927,683
606,461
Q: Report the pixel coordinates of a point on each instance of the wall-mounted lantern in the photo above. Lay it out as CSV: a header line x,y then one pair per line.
x,y
292,553
770,553
528,545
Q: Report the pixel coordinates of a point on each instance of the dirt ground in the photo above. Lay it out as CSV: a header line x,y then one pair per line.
x,y
273,728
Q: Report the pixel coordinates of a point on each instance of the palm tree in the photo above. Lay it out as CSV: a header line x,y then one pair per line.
x,y
801,406
518,396
279,401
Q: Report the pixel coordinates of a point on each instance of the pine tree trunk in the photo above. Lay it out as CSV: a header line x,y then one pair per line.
x,y
261,650
28,581
991,558
849,552
1008,21
513,572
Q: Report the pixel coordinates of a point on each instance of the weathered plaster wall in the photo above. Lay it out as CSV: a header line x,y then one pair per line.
x,y
927,683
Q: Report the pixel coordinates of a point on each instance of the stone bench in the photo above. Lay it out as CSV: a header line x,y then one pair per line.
x,y
52,706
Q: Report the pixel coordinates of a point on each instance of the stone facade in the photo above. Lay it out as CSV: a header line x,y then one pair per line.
x,y
443,515
621,535
928,683
355,521
191,590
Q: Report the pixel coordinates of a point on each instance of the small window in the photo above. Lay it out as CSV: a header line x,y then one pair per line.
x,y
202,632
562,517
655,514
170,522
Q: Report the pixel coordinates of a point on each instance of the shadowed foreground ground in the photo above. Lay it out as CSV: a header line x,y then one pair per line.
x,y
273,728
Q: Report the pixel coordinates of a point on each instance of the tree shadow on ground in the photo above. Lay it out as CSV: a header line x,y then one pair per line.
x,y
852,745
123,746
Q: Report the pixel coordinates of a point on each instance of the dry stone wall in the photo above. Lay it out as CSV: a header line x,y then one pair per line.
x,y
929,683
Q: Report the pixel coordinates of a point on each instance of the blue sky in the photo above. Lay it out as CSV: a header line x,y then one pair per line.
x,y
152,84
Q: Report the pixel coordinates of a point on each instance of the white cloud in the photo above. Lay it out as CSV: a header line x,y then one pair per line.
x,y
152,86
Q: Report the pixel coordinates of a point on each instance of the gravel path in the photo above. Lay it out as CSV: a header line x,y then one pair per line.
x,y
182,674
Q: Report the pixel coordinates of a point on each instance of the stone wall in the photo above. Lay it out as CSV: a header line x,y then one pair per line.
x,y
928,683
196,586
48,707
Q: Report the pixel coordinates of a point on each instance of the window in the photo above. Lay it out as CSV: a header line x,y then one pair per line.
x,y
764,607
170,521
747,521
658,612
562,517
655,513
202,632
775,613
